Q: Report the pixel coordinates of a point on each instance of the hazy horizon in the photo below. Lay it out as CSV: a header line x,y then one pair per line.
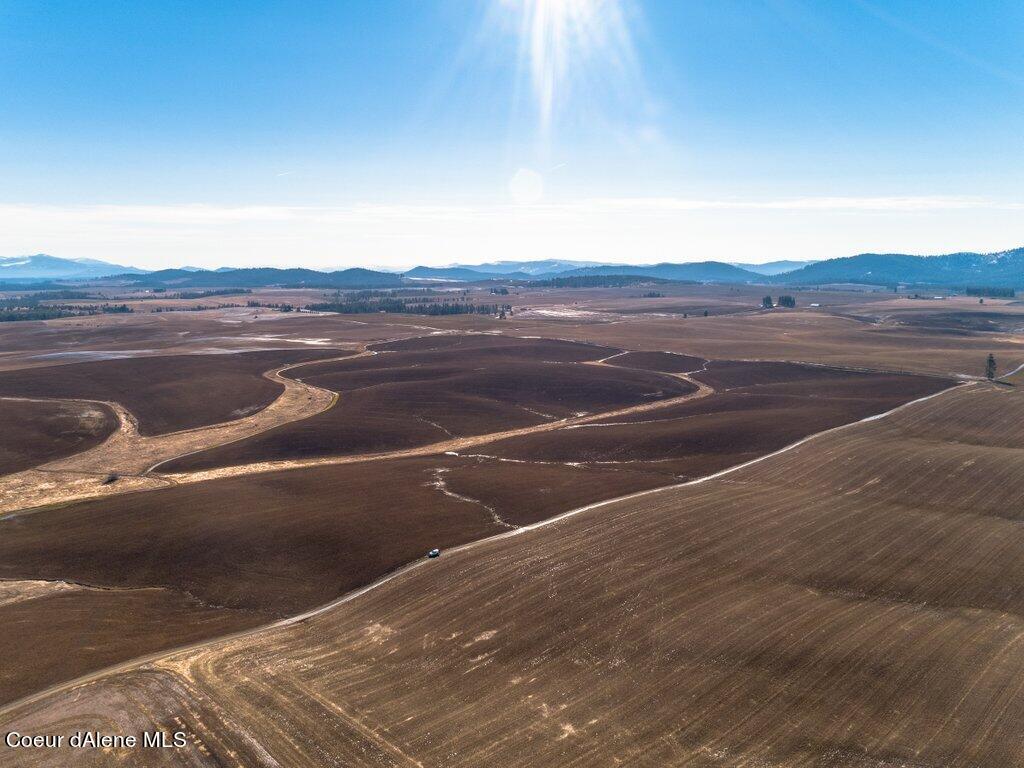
x,y
400,133
497,265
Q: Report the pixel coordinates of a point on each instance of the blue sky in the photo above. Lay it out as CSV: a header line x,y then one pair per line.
x,y
392,133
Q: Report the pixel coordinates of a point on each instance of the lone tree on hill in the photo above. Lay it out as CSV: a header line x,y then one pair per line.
x,y
990,367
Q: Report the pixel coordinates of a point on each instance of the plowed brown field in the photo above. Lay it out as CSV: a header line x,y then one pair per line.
x,y
667,362
166,394
848,602
425,390
755,408
279,543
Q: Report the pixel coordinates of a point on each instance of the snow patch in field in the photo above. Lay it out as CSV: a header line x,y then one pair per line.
x,y
279,337
559,312
94,354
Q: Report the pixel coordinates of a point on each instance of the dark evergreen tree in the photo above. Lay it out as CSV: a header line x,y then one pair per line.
x,y
990,367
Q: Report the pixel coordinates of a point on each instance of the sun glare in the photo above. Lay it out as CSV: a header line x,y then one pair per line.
x,y
565,44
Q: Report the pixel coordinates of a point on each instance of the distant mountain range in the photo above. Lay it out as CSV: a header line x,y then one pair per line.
x,y
535,268
502,270
43,267
703,271
262,277
16,270
465,274
708,271
1003,269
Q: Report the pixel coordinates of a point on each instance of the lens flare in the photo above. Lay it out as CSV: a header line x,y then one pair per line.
x,y
526,187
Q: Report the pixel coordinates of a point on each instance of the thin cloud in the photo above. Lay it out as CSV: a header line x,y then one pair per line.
x,y
624,230
203,213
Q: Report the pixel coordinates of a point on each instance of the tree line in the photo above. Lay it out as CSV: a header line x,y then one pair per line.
x,y
990,292
8,315
784,301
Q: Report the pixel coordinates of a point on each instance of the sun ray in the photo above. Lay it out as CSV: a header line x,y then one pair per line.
x,y
570,49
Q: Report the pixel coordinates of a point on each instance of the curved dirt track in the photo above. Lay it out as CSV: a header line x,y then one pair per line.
x,y
132,456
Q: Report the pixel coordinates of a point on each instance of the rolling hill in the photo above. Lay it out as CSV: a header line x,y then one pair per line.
x,y
1002,269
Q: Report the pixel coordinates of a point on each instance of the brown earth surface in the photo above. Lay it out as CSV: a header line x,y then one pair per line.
x,y
967,323
726,375
74,628
666,362
828,605
525,492
196,561
37,431
755,408
279,542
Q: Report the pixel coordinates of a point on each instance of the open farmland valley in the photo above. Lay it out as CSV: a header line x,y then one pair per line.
x,y
755,540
